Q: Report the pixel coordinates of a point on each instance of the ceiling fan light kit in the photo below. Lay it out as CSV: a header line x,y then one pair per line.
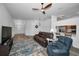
x,y
43,12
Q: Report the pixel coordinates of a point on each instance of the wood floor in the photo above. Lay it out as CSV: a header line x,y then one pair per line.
x,y
74,51
21,37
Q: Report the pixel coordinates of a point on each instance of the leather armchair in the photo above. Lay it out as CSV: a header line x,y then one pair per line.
x,y
60,47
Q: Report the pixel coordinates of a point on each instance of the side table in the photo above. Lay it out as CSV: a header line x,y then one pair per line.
x,y
50,40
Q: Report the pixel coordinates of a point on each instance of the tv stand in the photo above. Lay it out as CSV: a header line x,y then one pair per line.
x,y
6,47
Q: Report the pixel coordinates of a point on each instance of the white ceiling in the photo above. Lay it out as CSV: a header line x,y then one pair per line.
x,y
24,10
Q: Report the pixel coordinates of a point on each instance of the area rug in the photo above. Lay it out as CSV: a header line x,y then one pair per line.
x,y
27,48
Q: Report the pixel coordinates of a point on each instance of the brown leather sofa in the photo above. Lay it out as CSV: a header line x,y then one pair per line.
x,y
41,38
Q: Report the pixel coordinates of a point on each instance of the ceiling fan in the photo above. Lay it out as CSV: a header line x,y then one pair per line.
x,y
43,8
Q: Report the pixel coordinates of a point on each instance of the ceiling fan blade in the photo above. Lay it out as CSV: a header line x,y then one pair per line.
x,y
47,6
35,9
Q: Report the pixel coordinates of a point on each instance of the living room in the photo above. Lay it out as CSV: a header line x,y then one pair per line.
x,y
26,22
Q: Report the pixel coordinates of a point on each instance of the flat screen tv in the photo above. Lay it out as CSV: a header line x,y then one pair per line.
x,y
6,33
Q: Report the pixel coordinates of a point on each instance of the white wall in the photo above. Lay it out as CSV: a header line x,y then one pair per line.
x,y
53,23
53,26
19,26
45,25
28,26
5,18
72,21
